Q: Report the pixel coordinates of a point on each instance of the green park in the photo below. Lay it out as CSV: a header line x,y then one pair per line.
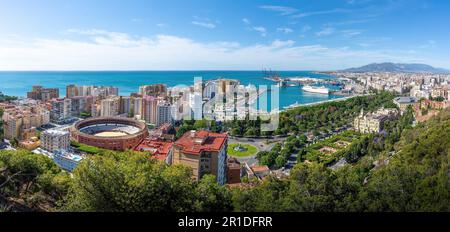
x,y
241,150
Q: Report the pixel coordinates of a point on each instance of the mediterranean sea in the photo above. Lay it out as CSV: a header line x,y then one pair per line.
x,y
19,83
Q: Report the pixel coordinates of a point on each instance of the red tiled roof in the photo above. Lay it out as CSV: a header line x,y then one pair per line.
x,y
158,148
210,142
165,127
263,168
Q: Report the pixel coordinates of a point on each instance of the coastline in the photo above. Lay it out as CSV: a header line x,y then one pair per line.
x,y
19,83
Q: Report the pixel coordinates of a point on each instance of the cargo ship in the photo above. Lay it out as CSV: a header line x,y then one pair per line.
x,y
312,89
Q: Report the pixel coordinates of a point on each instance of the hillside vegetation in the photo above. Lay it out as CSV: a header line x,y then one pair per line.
x,y
415,178
412,176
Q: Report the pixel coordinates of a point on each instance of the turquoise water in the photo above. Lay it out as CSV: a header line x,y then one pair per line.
x,y
18,83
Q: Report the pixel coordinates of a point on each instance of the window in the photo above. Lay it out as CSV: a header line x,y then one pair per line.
x,y
206,155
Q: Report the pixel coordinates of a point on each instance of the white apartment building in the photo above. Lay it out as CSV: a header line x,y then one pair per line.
x,y
165,112
125,105
150,109
110,107
61,109
53,140
137,107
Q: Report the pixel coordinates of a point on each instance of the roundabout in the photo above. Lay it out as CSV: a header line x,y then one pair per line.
x,y
241,150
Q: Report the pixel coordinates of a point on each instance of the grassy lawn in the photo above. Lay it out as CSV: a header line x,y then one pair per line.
x,y
88,149
249,150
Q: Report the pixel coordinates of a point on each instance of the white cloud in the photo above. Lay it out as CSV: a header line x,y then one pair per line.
x,y
246,21
324,12
326,31
204,24
282,43
351,33
104,50
111,38
261,30
285,30
283,10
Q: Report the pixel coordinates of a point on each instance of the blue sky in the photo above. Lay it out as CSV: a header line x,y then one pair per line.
x,y
225,35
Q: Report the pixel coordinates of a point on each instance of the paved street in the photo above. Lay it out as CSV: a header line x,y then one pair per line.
x,y
260,143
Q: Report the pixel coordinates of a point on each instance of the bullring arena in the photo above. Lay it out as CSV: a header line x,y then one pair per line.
x,y
118,134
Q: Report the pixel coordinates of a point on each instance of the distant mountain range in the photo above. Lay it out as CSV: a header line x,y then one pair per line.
x,y
396,67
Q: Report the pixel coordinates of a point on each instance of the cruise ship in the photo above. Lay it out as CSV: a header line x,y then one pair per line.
x,y
312,89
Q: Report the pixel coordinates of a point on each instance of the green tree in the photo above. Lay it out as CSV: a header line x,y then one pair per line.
x,y
211,197
236,132
32,179
201,124
310,189
182,130
131,182
123,182
301,155
250,132
280,161
266,160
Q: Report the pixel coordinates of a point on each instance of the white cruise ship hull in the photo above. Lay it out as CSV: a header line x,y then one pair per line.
x,y
321,90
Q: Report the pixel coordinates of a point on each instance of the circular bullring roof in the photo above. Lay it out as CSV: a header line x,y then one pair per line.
x,y
110,127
